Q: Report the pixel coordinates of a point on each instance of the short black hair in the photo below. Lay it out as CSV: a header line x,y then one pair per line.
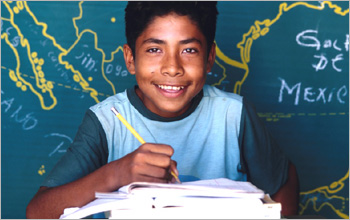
x,y
139,14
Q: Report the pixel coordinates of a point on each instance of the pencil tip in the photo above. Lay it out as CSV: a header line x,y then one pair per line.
x,y
114,111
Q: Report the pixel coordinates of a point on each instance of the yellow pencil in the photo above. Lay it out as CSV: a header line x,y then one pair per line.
x,y
138,137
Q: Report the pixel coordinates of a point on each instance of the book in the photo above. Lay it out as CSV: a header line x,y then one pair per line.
x,y
199,199
221,187
264,208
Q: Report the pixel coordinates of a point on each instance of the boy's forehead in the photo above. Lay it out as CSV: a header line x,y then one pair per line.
x,y
168,24
175,16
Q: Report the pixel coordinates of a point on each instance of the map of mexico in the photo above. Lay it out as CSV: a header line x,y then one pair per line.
x,y
290,59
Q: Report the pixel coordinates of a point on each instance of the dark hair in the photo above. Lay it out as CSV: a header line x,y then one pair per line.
x,y
138,15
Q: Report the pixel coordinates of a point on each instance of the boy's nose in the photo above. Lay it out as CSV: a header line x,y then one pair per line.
x,y
172,66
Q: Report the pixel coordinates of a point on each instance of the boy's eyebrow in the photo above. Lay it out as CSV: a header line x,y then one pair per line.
x,y
191,40
153,40
158,41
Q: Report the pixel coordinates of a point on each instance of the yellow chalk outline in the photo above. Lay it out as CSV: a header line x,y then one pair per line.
x,y
261,28
223,73
257,31
79,35
331,189
25,44
58,84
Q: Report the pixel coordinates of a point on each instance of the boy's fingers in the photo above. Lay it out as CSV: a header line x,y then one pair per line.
x,y
153,163
155,172
145,156
152,179
159,160
158,148
174,172
173,167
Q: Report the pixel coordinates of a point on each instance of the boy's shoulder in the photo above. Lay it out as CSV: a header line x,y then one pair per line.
x,y
118,98
213,92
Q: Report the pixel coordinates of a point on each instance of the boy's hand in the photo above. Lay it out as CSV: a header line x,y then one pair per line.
x,y
149,163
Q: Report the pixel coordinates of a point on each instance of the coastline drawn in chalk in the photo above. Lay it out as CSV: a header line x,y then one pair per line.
x,y
86,68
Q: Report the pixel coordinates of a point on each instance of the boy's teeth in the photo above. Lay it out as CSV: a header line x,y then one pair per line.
x,y
170,87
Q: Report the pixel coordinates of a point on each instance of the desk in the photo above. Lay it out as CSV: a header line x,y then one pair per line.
x,y
269,210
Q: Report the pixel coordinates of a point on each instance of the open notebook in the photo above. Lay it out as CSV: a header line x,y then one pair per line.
x,y
214,194
221,187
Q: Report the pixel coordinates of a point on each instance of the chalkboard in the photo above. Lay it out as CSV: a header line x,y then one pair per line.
x,y
290,59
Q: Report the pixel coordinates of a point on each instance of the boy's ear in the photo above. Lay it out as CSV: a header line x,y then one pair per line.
x,y
129,59
211,57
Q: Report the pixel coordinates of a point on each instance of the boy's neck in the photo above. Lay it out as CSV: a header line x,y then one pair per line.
x,y
135,99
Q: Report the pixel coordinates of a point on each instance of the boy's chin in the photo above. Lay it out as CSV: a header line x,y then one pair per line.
x,y
170,112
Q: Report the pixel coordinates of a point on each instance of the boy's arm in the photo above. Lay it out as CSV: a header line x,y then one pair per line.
x,y
49,202
288,194
150,162
264,162
83,170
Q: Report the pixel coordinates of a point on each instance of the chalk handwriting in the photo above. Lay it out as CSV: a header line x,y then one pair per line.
x,y
43,42
323,61
33,27
308,38
336,59
58,148
86,60
13,38
117,71
311,94
28,121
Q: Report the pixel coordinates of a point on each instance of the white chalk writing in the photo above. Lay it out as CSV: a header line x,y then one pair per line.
x,y
28,121
58,148
311,94
117,71
86,60
308,38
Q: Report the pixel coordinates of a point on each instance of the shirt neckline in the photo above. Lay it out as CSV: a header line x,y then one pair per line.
x,y
139,106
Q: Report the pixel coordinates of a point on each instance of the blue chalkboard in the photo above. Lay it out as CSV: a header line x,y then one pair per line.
x,y
290,59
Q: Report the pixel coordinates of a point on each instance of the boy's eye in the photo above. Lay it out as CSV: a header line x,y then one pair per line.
x,y
190,50
153,50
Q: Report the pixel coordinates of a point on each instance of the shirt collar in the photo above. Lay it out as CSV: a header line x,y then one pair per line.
x,y
140,107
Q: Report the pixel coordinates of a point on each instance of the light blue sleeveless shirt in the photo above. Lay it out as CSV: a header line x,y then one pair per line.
x,y
205,142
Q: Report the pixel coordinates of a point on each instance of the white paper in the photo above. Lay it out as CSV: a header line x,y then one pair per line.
x,y
221,187
103,205
220,194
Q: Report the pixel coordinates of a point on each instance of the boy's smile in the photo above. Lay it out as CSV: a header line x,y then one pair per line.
x,y
170,64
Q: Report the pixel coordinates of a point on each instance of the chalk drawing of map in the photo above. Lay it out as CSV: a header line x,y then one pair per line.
x,y
323,197
83,65
91,63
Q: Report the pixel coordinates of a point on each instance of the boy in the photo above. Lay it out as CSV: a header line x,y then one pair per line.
x,y
210,133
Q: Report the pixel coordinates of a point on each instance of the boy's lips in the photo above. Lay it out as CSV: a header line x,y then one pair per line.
x,y
175,88
170,91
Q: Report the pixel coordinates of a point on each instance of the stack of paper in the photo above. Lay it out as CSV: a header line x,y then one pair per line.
x,y
216,198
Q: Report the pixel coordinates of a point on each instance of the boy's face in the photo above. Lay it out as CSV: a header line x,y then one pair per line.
x,y
170,64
